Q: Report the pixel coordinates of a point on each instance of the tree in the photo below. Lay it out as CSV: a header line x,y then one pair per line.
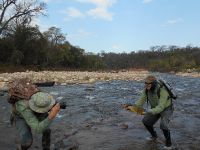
x,y
6,48
16,57
18,10
54,36
32,44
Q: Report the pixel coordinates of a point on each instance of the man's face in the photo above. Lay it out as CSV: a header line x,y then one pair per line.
x,y
148,85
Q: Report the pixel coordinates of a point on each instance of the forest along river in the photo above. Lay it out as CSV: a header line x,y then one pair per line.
x,y
94,117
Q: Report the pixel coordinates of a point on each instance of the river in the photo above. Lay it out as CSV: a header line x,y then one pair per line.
x,y
94,117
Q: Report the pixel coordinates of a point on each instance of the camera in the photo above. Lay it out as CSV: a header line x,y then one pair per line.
x,y
63,105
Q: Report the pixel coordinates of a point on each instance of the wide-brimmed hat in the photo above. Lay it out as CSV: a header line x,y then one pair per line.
x,y
41,102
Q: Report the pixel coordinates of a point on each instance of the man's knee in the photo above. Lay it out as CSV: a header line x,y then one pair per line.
x,y
147,121
47,131
164,126
164,123
46,134
27,143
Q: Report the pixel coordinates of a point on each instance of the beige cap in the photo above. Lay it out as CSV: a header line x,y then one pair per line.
x,y
150,79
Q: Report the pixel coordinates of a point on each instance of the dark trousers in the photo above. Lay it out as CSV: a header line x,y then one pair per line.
x,y
165,116
149,120
26,137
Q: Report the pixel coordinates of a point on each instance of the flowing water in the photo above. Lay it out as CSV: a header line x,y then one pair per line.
x,y
95,120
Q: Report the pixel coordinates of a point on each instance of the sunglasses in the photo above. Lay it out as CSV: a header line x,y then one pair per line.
x,y
148,83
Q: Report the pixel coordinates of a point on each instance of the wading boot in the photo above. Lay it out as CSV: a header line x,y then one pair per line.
x,y
168,143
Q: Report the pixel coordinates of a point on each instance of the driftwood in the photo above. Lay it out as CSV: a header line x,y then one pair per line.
x,y
44,84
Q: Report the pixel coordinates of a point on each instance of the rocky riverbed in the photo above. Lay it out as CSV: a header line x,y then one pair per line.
x,y
74,77
71,77
94,117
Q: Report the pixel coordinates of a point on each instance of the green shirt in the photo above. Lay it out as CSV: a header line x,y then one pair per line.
x,y
31,119
157,104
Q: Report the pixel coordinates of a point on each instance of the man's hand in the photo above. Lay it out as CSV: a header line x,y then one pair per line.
x,y
128,107
54,111
134,108
148,112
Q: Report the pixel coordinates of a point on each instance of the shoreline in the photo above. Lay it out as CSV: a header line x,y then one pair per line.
x,y
81,77
61,77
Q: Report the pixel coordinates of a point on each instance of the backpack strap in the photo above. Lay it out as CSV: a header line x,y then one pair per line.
x,y
158,92
146,92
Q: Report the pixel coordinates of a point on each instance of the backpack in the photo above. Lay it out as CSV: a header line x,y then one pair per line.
x,y
21,89
168,87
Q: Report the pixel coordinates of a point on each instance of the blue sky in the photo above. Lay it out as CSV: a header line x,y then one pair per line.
x,y
124,25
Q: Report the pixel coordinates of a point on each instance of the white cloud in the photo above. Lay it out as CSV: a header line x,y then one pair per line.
x,y
73,12
146,1
101,9
100,13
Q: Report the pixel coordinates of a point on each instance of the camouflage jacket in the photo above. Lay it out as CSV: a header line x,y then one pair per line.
x,y
23,110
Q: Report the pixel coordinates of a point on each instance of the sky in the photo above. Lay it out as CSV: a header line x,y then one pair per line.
x,y
124,25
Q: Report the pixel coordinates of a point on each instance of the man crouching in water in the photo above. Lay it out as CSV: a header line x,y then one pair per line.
x,y
33,115
161,108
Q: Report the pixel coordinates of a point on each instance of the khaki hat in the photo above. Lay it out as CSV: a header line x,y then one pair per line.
x,y
41,102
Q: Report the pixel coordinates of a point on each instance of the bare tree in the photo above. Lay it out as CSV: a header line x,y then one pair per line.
x,y
18,11
55,36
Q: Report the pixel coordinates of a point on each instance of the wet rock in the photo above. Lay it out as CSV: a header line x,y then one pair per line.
x,y
36,147
1,93
65,145
66,135
123,126
63,84
88,125
90,88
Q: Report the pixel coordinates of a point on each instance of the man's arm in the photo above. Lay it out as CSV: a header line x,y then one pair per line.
x,y
142,99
